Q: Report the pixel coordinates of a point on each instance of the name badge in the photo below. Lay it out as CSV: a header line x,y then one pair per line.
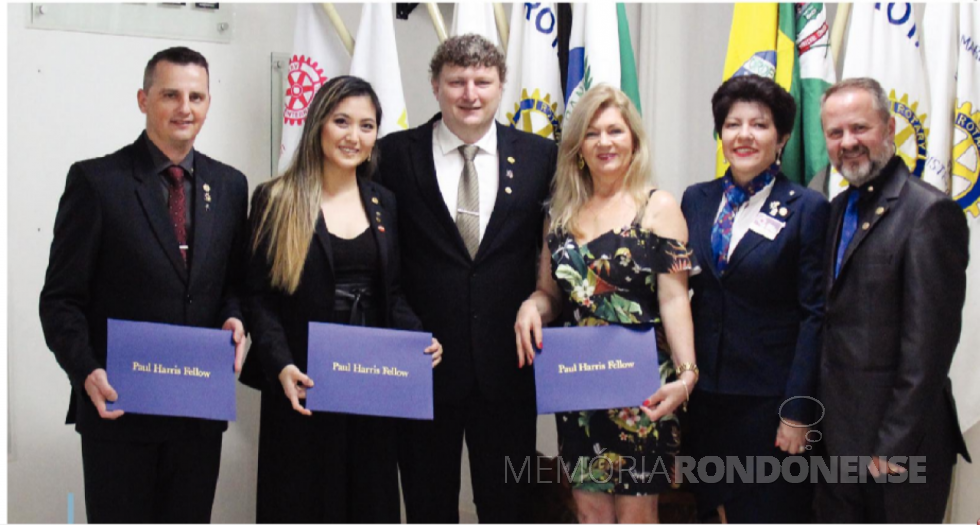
x,y
766,226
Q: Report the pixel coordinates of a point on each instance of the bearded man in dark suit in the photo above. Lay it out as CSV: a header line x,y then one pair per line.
x,y
470,196
153,232
897,252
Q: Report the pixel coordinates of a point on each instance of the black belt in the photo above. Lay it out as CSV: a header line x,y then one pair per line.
x,y
359,298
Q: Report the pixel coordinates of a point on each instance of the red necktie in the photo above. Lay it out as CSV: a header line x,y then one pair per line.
x,y
178,207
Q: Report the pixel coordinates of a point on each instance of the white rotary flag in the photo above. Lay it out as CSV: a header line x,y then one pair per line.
x,y
318,55
532,99
376,60
475,17
883,43
965,371
940,32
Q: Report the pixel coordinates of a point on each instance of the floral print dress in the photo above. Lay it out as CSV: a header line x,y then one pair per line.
x,y
613,280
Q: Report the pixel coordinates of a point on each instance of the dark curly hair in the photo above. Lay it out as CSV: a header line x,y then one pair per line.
x,y
466,51
753,88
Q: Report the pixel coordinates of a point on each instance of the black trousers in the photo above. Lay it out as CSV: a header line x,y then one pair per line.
x,y
871,502
500,437
167,482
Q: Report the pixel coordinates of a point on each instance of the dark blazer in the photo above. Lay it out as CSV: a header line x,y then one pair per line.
x,y
757,327
470,304
893,322
115,255
279,322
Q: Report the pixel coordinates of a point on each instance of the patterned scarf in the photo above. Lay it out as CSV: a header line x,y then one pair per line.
x,y
735,197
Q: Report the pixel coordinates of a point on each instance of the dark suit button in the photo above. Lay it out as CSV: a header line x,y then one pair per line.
x,y
475,317
189,299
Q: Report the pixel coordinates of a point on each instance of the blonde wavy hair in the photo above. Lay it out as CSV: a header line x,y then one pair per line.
x,y
288,220
572,187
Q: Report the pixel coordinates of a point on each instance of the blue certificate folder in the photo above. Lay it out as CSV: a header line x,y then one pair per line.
x,y
170,370
369,371
595,367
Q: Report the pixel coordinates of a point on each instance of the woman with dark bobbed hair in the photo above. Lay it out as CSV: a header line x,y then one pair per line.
x,y
757,307
319,252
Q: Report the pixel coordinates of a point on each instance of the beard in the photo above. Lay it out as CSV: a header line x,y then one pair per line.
x,y
866,171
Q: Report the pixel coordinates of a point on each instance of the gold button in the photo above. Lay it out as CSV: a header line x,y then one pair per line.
x,y
511,160
880,210
508,190
865,226
374,200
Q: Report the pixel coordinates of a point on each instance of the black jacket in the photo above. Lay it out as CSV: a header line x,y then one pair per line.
x,y
893,322
471,305
279,321
757,327
115,255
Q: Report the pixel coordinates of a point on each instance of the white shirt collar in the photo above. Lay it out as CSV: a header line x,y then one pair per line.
x,y
449,143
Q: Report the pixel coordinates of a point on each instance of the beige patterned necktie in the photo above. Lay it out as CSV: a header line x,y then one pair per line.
x,y
468,201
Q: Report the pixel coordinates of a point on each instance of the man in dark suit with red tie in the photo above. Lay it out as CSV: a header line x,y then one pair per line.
x,y
896,258
470,194
153,232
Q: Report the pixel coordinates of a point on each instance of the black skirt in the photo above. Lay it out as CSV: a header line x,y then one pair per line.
x,y
737,426
328,467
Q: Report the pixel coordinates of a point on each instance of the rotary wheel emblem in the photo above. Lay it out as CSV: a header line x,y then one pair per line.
x,y
536,115
966,159
305,78
910,133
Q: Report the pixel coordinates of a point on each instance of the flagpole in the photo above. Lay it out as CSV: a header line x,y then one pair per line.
x,y
338,24
437,22
502,29
839,30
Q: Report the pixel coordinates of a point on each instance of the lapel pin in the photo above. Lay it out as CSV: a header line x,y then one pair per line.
x,y
207,187
207,196
374,200
773,208
511,160
783,212
508,190
792,192
865,226
880,210
378,219
381,228
871,188
510,174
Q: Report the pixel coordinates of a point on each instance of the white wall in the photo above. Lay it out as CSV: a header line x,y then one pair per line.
x,y
677,82
72,96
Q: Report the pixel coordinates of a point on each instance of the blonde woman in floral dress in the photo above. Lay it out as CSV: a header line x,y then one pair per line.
x,y
615,253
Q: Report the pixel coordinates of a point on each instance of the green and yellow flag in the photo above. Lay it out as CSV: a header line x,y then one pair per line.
x,y
764,41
